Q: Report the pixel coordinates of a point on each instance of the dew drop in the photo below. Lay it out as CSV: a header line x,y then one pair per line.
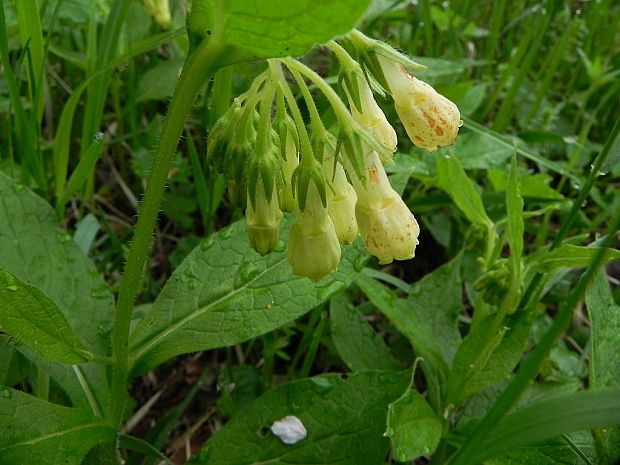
x,y
247,272
207,243
5,392
98,136
280,247
359,263
226,233
460,123
100,292
63,236
17,187
321,385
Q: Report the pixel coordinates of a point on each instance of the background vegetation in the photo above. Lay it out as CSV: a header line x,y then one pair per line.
x,y
82,99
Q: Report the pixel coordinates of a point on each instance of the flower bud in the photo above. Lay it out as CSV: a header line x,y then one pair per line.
x,y
159,10
430,119
341,198
371,116
263,218
313,249
388,228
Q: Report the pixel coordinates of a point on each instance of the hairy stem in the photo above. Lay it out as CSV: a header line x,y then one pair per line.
x,y
198,67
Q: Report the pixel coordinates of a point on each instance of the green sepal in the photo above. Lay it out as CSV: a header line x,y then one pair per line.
x,y
303,174
369,49
267,166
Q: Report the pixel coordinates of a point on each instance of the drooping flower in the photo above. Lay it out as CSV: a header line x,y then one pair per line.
x,y
313,247
387,226
341,199
370,114
263,218
159,10
430,119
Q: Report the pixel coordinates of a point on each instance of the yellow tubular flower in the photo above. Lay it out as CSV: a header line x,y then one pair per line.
x,y
341,199
159,10
388,228
430,119
263,220
371,116
313,248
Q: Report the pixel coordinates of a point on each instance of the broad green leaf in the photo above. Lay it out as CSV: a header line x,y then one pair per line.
x,y
487,355
556,451
452,178
535,186
158,82
428,318
476,152
357,343
257,29
413,427
33,319
36,251
344,420
225,293
604,316
429,315
550,418
34,431
567,256
516,145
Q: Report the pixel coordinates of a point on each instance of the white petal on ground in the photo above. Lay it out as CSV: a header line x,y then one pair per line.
x,y
289,429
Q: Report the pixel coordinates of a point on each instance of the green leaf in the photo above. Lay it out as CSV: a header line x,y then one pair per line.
x,y
257,29
604,316
567,256
487,355
36,251
428,318
36,431
32,318
357,343
452,178
413,427
554,451
550,418
344,420
158,82
225,293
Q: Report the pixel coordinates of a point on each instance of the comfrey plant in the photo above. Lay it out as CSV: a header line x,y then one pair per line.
x,y
274,162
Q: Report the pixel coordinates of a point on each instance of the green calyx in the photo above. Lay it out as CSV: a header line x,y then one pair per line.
x,y
306,172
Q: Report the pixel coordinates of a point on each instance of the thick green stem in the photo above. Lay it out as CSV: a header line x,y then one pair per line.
x,y
199,66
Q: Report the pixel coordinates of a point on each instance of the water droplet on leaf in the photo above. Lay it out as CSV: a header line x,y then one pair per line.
x,y
247,272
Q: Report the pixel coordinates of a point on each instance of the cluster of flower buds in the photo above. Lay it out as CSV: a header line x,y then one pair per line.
x,y
159,10
274,161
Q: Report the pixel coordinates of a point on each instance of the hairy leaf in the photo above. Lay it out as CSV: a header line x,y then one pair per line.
x,y
258,29
36,431
604,316
36,251
32,318
413,427
225,293
344,420
357,343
